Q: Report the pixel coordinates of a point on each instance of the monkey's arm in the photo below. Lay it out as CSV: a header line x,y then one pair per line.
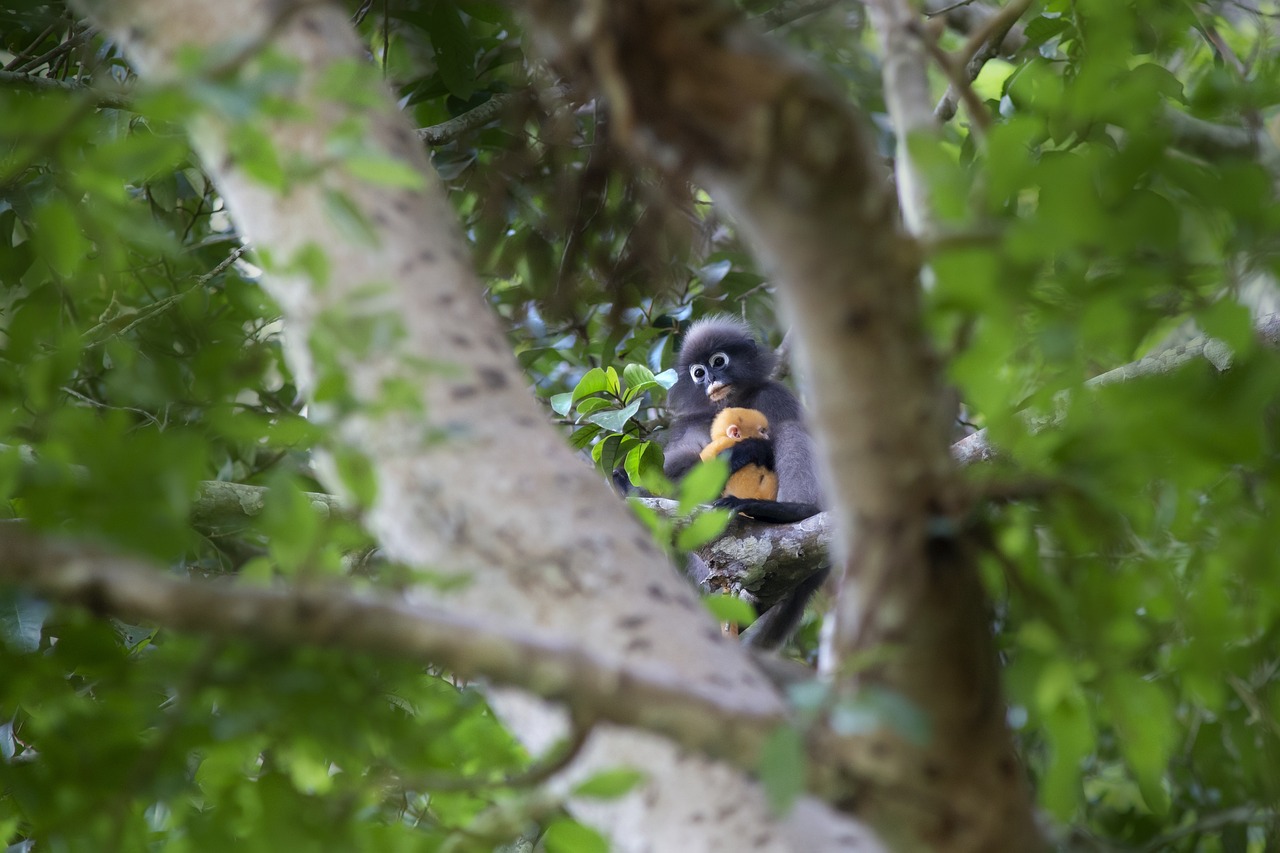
x,y
751,451
716,447
683,449
796,465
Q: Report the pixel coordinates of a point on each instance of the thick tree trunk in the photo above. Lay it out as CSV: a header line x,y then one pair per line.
x,y
386,329
692,89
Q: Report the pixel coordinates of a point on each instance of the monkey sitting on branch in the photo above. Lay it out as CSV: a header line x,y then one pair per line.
x,y
745,433
722,364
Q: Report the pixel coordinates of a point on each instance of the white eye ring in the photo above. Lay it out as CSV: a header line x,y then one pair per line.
x,y
697,372
718,360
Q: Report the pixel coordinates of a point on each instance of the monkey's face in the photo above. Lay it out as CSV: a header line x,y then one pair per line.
x,y
720,362
715,377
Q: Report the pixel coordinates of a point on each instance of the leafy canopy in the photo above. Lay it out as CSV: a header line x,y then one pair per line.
x,y
1137,594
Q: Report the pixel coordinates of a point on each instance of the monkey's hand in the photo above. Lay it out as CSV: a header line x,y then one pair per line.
x,y
772,512
750,451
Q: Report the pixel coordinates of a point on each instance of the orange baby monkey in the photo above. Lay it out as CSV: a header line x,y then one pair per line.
x,y
746,433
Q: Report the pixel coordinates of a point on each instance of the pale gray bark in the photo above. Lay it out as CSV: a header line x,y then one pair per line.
x,y
386,316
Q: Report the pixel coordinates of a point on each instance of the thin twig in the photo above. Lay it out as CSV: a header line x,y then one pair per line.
x,y
540,772
978,113
788,14
448,131
54,53
983,45
100,97
160,306
947,9
25,54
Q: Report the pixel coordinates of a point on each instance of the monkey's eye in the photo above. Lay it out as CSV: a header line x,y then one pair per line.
x,y
698,372
718,360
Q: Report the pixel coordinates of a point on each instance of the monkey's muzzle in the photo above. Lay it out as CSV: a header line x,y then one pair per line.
x,y
717,391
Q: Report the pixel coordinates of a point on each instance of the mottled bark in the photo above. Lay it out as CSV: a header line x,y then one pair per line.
x,y
387,331
695,91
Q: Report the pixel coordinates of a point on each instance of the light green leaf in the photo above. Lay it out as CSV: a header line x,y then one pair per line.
x,y
58,237
562,403
636,374
782,768
610,784
21,619
703,484
567,836
592,404
703,529
592,382
616,420
667,378
728,608
384,171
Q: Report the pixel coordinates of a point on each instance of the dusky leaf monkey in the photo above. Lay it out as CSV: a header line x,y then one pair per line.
x,y
721,365
748,429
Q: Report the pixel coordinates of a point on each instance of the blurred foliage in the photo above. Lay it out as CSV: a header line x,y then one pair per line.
x,y
1136,602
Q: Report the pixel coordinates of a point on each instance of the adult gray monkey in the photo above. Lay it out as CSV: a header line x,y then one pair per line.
x,y
721,363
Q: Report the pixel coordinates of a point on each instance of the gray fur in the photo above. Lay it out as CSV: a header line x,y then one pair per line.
x,y
748,374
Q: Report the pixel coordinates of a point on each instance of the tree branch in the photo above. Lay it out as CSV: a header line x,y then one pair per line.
x,y
102,98
978,448
429,395
698,92
905,49
984,44
595,688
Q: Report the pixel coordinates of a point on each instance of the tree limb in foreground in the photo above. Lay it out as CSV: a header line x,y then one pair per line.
x,y
336,616
978,448
696,90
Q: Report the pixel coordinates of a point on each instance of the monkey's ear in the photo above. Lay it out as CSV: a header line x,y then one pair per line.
x,y
733,431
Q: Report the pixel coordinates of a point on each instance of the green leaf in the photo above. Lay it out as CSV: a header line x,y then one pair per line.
x,y
567,836
58,238
1042,28
782,768
728,608
455,51
254,152
384,171
609,784
616,420
667,378
1144,719
22,619
713,273
348,217
593,381
583,435
636,374
593,404
562,403
644,468
877,707
703,484
636,390
1071,738
705,528
608,454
